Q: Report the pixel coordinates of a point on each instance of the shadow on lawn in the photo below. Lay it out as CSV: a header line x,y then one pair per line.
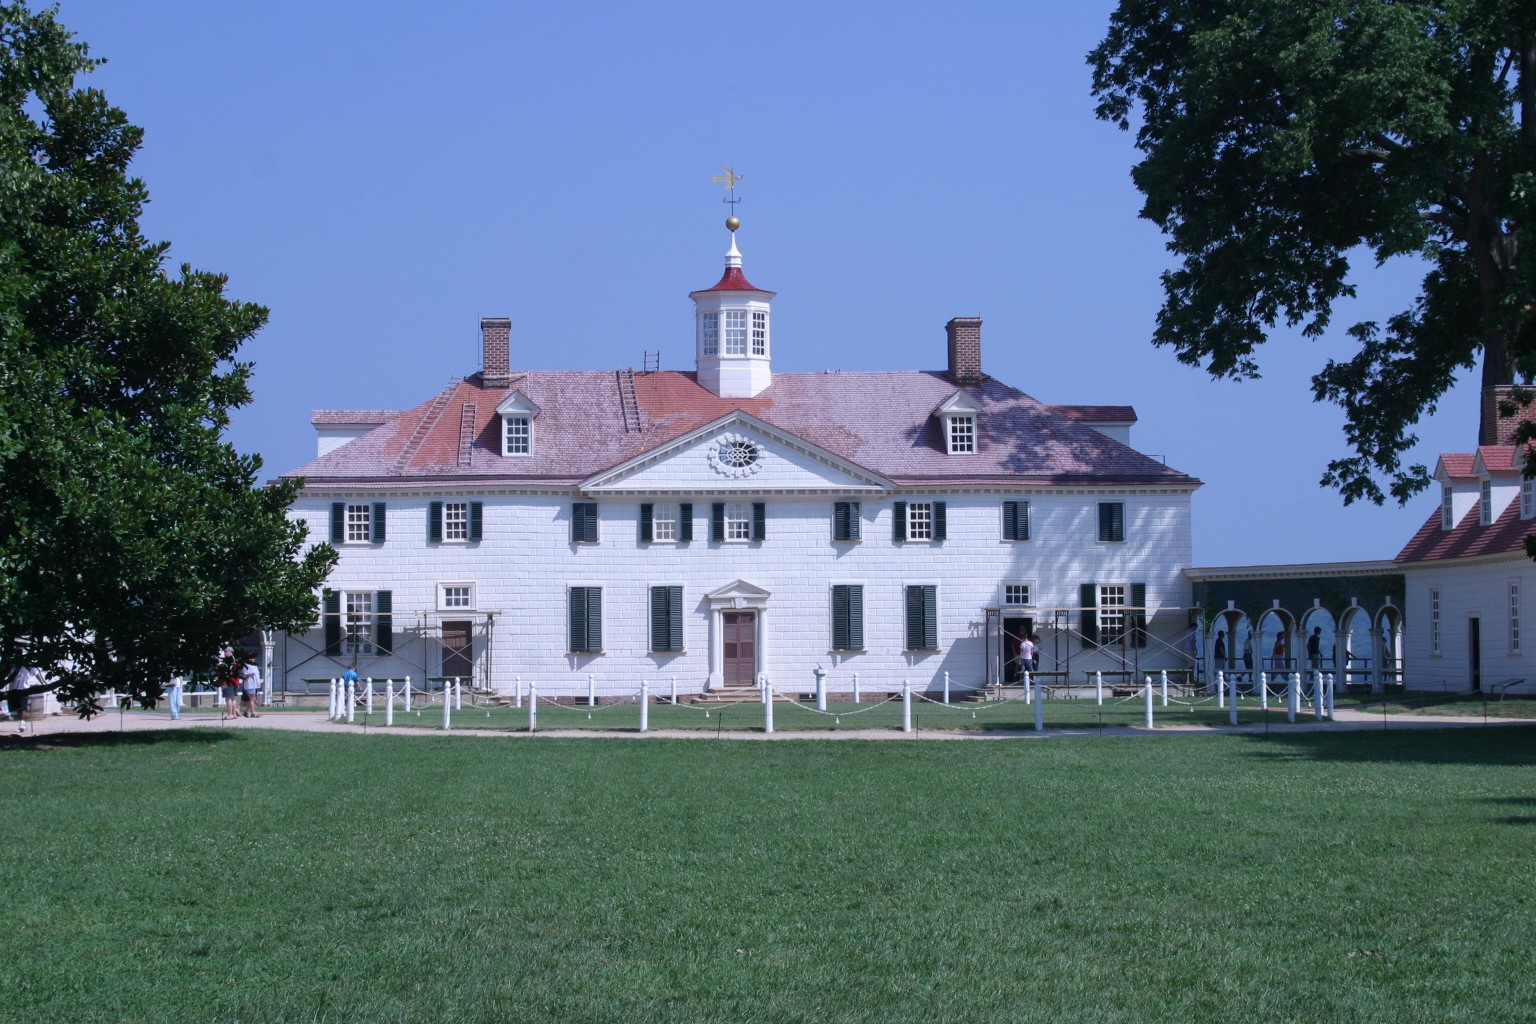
x,y
99,740
1509,745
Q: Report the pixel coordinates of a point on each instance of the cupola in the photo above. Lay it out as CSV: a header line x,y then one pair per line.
x,y
731,331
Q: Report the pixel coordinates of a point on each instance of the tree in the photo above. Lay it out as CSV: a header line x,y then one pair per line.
x,y
133,539
1281,136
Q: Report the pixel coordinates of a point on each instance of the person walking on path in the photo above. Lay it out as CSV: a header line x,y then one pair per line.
x,y
1315,648
173,695
250,683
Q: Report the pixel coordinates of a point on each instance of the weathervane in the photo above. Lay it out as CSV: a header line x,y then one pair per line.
x,y
730,178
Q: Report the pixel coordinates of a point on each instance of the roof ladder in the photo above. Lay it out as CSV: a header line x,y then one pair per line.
x,y
467,434
424,427
628,401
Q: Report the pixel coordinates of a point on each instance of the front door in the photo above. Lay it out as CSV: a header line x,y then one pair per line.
x,y
458,653
739,648
1475,653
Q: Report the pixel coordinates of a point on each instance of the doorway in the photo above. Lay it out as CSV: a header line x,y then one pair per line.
x,y
458,649
1015,629
738,648
1475,653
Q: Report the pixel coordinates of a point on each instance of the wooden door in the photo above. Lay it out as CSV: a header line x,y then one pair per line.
x,y
739,648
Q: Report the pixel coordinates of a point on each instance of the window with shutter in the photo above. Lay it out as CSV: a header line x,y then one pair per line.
x,y
1139,614
667,619
434,520
338,522
1015,520
1111,520
759,520
845,521
922,617
1088,622
332,617
378,522
476,520
384,621
586,620
898,521
584,522
647,512
848,617
685,522
717,521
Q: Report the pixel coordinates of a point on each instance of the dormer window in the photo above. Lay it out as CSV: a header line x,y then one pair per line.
x,y
1447,508
958,415
1527,499
962,435
517,415
1485,504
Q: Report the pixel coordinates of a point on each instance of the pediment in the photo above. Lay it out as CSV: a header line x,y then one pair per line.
x,y
738,594
517,404
958,403
737,454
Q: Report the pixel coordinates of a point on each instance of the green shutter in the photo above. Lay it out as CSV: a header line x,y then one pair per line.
x,y
338,522
848,617
586,620
594,619
647,513
378,522
332,622
384,621
1016,520
584,522
675,611
717,521
667,618
1088,597
922,618
435,520
759,520
839,522
940,521
577,616
899,521
1112,520
1139,599
476,520
855,527
1023,520
685,521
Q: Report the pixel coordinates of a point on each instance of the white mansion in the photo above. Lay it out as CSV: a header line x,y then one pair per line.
x,y
730,523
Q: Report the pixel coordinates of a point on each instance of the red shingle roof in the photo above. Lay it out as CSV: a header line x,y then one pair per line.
x,y
881,421
1469,538
1457,464
733,280
1098,413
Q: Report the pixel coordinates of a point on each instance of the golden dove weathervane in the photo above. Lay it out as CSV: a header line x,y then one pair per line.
x,y
730,178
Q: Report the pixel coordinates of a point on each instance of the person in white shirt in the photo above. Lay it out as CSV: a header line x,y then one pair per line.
x,y
250,684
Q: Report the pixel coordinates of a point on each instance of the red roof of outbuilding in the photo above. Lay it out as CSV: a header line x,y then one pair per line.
x,y
1457,464
1469,538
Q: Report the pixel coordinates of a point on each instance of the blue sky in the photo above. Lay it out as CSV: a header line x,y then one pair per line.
x,y
382,175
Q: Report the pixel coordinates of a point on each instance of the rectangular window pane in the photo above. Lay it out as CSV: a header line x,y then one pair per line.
x,y
962,435
1447,519
1016,594
519,432
1434,620
735,332
1514,618
456,520
359,523
920,520
1526,495
759,333
359,623
1485,511
738,520
1111,613
457,596
664,522
710,326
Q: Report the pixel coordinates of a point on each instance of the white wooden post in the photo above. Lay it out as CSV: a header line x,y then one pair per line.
x,y
458,694
1233,712
1292,696
1264,690
906,705
447,703
674,691
1329,708
351,699
1165,687
517,691
821,688
1039,705
645,706
1221,690
1098,687
946,689
591,691
856,697
533,707
767,705
1317,695
370,696
389,702
1149,702
330,705
407,694
1029,689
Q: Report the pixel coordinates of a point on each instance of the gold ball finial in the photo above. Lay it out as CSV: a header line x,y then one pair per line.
x,y
732,223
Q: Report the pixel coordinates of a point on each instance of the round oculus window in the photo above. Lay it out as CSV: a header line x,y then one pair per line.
x,y
736,456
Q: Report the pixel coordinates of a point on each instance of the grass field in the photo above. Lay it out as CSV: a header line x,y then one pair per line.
x,y
228,875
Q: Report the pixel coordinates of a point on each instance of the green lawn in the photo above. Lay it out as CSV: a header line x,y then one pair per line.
x,y
251,875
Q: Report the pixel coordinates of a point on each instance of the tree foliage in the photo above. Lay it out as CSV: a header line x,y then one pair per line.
x,y
133,540
1282,136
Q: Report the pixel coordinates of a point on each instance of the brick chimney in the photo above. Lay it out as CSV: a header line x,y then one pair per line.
x,y
496,342
965,349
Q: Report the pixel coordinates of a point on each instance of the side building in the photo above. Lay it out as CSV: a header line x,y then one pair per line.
x,y
718,526
1466,572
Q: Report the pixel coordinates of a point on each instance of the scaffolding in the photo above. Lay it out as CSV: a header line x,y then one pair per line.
x,y
1119,646
428,646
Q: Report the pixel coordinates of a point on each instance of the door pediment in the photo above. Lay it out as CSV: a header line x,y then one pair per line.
x,y
738,594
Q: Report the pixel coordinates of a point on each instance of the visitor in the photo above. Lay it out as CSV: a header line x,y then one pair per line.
x,y
250,683
1315,648
173,695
